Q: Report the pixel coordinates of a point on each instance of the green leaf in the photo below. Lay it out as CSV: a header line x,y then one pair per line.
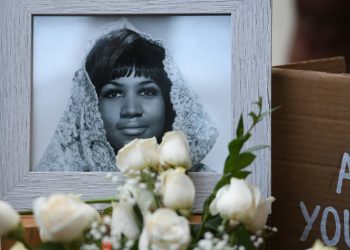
x,y
50,246
241,174
225,179
255,148
243,160
236,145
243,238
240,127
214,223
259,103
139,217
240,161
107,210
136,245
254,116
266,113
228,168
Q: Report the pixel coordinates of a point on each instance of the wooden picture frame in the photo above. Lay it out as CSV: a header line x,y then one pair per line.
x,y
251,76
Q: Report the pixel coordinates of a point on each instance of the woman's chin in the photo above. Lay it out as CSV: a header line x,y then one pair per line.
x,y
120,145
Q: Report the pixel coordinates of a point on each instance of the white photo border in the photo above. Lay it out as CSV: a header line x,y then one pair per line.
x,y
251,78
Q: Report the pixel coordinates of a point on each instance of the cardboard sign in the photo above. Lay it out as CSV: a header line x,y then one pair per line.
x,y
311,154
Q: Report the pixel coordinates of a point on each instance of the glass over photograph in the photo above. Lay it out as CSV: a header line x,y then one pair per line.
x,y
100,82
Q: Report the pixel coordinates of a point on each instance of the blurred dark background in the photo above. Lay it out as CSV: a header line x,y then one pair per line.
x,y
310,29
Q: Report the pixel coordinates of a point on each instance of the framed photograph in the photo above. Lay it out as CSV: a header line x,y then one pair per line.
x,y
82,79
197,63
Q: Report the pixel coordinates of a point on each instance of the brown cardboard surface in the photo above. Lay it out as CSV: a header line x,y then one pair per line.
x,y
310,133
330,65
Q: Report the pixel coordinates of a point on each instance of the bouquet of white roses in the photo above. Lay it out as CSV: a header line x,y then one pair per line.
x,y
153,208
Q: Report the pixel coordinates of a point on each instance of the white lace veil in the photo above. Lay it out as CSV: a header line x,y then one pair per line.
x,y
79,142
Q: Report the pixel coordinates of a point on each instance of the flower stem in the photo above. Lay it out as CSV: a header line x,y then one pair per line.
x,y
104,200
157,200
26,244
26,212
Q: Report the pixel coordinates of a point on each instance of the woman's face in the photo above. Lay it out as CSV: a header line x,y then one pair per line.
x,y
131,107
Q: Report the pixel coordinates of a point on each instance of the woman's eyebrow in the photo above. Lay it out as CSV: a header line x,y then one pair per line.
x,y
147,82
117,84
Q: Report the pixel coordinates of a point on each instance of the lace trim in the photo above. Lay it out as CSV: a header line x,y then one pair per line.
x,y
79,142
191,118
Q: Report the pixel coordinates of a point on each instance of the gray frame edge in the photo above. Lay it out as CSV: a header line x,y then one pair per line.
x,y
251,63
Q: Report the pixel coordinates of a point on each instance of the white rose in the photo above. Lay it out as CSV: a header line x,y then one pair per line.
x,y
177,189
235,201
62,218
18,246
318,245
137,155
261,215
241,202
9,218
124,221
174,151
164,230
143,197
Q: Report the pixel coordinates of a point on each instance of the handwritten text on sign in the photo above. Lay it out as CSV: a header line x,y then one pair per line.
x,y
330,211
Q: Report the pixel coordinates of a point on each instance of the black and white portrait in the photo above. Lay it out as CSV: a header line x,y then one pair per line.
x,y
100,82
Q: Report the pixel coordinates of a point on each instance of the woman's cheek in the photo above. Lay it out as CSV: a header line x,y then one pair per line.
x,y
154,113
110,112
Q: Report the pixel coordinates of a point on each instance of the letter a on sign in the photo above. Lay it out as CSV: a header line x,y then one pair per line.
x,y
342,175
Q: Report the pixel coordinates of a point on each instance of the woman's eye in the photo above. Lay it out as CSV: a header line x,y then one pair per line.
x,y
113,93
148,92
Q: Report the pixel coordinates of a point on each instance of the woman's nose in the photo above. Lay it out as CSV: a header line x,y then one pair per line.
x,y
131,107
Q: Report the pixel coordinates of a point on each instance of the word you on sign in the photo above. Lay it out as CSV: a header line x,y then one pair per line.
x,y
339,218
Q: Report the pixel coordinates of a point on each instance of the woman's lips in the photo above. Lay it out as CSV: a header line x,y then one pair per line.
x,y
132,130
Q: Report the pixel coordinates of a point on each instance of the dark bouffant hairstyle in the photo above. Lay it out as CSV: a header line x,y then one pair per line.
x,y
120,52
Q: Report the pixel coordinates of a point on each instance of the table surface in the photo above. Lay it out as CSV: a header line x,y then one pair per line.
x,y
32,232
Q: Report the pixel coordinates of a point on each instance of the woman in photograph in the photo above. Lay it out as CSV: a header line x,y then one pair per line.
x,y
127,88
